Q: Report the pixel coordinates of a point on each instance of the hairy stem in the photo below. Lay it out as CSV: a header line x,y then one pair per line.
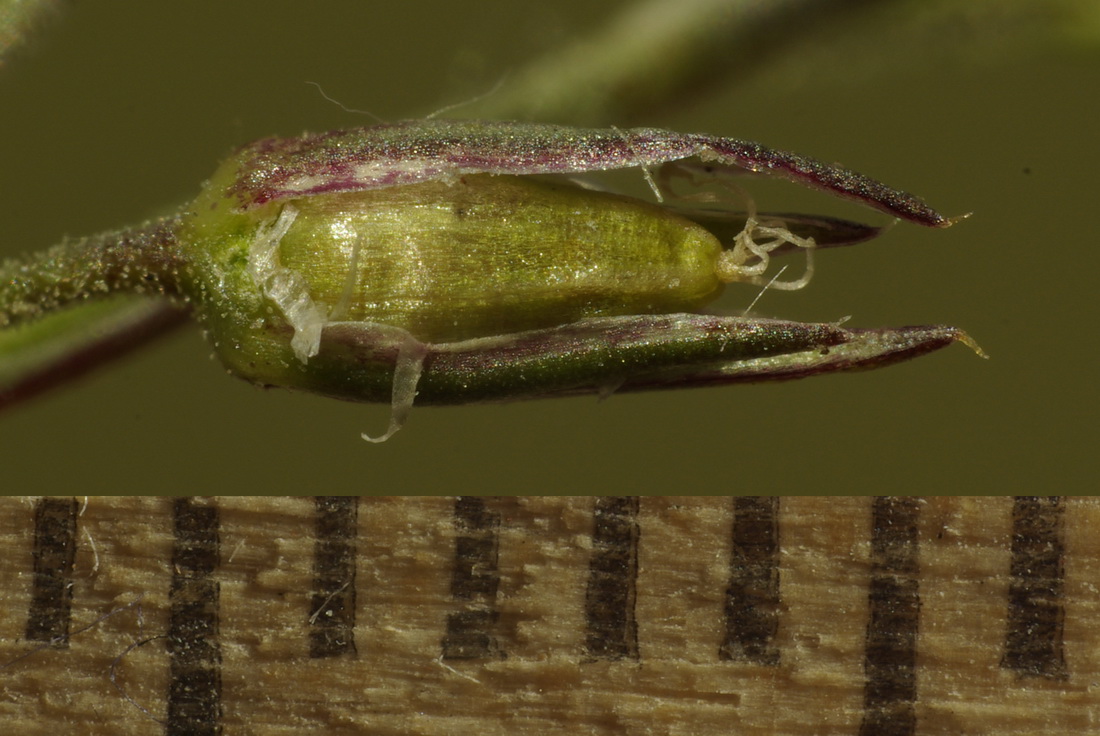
x,y
138,260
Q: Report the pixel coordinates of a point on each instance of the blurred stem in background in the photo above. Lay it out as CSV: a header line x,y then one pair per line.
x,y
17,19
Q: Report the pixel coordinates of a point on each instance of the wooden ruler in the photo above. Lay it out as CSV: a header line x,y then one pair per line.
x,y
693,616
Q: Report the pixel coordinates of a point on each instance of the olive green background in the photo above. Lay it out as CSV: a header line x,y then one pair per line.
x,y
117,111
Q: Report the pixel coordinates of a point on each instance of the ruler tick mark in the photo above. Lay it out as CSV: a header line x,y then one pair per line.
x,y
611,631
474,583
50,611
752,598
332,617
1036,612
194,688
890,657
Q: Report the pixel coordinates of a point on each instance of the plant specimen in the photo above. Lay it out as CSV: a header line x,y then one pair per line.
x,y
433,261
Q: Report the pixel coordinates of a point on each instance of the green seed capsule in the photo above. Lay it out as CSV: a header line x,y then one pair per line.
x,y
486,255
436,262
432,260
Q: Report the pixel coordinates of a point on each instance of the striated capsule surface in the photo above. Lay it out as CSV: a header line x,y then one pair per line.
x,y
485,255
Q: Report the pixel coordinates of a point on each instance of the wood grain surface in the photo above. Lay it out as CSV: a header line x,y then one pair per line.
x,y
618,615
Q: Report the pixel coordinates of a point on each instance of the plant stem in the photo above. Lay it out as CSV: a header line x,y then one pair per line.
x,y
53,351
138,260
655,53
16,19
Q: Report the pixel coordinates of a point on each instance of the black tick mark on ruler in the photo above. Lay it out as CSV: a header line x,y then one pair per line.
x,y
752,598
474,583
194,688
332,608
890,655
611,631
50,611
1036,609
